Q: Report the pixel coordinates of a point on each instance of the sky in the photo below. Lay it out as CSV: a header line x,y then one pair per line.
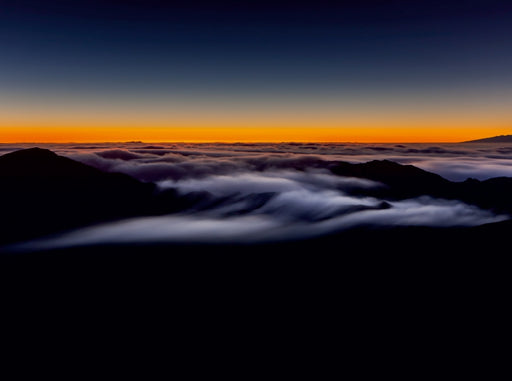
x,y
269,71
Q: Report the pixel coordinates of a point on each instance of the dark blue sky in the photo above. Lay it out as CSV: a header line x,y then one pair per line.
x,y
256,51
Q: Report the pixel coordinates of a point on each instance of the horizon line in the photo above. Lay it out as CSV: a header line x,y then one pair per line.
x,y
238,142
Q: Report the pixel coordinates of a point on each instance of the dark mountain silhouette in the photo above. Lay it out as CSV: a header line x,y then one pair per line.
x,y
494,139
44,193
403,181
406,181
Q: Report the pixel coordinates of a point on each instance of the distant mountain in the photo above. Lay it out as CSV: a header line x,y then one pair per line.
x,y
494,139
403,180
407,181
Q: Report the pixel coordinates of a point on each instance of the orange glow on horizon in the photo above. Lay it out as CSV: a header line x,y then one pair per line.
x,y
247,134
63,121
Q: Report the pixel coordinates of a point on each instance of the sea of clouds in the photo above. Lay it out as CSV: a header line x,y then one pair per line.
x,y
455,162
154,162
273,192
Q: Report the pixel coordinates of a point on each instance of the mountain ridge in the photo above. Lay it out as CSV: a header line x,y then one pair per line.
x,y
493,139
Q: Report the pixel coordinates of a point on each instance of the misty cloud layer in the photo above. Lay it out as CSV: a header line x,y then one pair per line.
x,y
289,216
272,192
174,161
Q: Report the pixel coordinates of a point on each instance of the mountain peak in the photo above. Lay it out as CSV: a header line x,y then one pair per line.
x,y
494,139
43,163
33,150
29,153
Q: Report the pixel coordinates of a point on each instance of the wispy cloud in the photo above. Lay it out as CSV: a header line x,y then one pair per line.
x,y
282,219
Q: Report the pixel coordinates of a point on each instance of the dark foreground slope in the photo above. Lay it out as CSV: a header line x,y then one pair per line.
x,y
414,288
